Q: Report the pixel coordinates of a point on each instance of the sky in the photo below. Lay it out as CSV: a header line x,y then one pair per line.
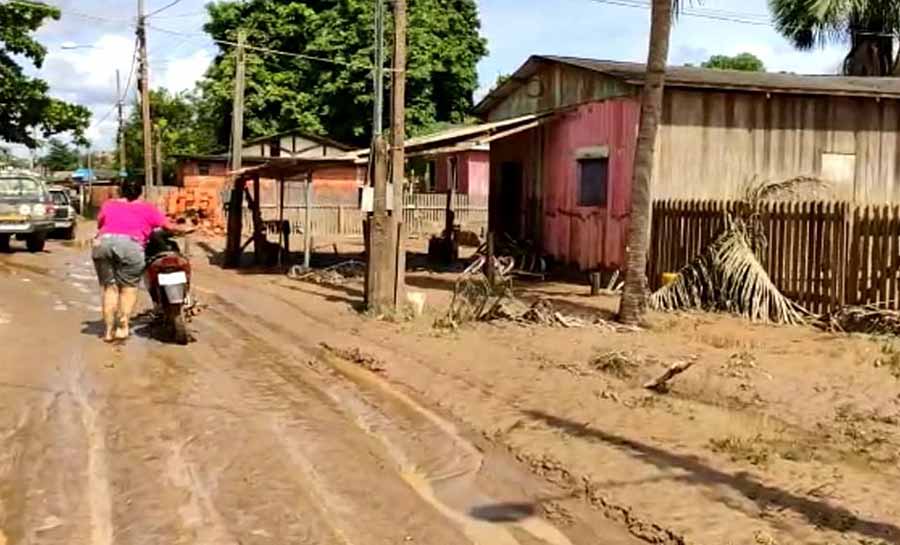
x,y
95,37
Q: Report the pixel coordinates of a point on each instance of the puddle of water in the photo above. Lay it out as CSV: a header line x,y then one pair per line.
x,y
60,307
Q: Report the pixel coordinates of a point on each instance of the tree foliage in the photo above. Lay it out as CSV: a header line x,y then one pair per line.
x,y
24,101
746,62
178,123
334,95
869,26
60,156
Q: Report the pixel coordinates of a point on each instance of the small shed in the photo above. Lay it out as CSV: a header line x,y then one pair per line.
x,y
565,184
280,170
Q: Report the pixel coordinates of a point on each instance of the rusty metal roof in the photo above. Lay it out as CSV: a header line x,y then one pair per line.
x,y
704,78
285,168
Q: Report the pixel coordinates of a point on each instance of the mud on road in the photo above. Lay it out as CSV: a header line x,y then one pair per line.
x,y
253,434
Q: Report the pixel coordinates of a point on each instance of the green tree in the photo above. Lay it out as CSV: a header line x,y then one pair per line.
x,y
334,95
179,124
60,156
746,62
25,105
869,26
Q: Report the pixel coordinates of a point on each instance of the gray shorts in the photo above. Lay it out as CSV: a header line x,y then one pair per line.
x,y
119,261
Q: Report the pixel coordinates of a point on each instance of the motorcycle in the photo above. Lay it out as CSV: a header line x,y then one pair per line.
x,y
169,284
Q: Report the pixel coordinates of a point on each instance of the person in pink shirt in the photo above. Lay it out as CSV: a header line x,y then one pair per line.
x,y
124,225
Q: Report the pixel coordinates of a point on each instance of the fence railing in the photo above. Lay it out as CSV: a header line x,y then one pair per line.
x,y
820,254
423,213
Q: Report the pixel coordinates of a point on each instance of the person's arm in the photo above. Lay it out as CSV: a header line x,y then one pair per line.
x,y
159,220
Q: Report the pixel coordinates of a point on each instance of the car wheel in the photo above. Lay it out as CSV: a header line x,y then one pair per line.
x,y
35,243
4,243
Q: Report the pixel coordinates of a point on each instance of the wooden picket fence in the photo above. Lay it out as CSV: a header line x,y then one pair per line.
x,y
423,213
820,254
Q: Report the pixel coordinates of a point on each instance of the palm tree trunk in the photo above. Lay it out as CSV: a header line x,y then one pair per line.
x,y
634,298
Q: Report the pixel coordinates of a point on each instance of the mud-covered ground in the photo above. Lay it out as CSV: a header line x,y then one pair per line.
x,y
776,434
397,432
253,434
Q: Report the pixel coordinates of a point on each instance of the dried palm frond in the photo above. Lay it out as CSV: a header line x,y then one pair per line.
x,y
728,276
754,192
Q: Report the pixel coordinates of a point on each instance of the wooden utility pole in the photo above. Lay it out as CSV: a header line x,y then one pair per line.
x,y
380,285
145,95
398,158
378,72
236,203
237,114
159,157
121,106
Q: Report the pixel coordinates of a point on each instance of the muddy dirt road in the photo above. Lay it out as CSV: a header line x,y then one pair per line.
x,y
252,434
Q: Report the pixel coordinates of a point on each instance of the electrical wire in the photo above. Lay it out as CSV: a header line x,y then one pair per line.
x,y
164,8
716,15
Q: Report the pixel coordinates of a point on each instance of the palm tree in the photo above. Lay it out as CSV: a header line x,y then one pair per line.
x,y
634,298
869,26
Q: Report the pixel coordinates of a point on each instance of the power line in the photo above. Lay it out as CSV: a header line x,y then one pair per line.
x,y
254,47
164,8
84,15
716,15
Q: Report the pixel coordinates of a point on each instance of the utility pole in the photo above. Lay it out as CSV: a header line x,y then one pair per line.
x,y
380,286
236,202
121,106
398,134
378,72
145,95
237,115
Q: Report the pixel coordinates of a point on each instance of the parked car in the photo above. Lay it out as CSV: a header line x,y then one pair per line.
x,y
65,218
26,211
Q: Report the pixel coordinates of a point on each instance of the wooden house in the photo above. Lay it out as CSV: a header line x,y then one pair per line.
x,y
561,175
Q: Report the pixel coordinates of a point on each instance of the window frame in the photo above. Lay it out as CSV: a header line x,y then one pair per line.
x,y
603,191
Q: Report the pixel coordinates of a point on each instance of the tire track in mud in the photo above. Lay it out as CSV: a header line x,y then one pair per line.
x,y
447,480
97,486
343,471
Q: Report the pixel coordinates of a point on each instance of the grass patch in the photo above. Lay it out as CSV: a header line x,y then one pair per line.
x,y
623,365
753,450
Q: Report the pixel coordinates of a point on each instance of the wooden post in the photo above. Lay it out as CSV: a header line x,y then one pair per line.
x,y
235,224
340,219
282,233
398,135
307,227
380,262
490,270
259,235
595,283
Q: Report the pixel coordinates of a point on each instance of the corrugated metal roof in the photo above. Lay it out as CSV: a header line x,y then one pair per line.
x,y
704,78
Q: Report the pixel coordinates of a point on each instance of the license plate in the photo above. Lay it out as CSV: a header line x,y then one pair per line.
x,y
12,218
173,279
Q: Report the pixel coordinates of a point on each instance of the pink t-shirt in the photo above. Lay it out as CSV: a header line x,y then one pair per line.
x,y
136,219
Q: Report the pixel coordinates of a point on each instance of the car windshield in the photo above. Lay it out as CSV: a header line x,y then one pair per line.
x,y
59,198
20,187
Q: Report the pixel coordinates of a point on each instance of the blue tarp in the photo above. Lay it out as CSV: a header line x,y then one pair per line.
x,y
83,175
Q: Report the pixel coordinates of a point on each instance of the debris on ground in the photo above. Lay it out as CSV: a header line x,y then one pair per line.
x,y
335,275
728,275
661,383
620,364
476,298
871,319
357,356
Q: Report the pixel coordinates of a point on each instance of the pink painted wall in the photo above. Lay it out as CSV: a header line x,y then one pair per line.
x,y
587,238
474,172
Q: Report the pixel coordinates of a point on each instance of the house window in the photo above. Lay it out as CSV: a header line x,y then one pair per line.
x,y
203,169
593,181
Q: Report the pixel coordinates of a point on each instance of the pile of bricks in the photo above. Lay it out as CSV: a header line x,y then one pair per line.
x,y
198,205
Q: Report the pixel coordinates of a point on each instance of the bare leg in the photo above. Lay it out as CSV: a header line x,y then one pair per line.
x,y
127,300
110,297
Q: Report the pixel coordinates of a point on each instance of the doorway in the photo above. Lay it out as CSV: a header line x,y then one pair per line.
x,y
511,199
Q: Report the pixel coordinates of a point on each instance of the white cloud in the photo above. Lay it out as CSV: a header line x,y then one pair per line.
x,y
182,73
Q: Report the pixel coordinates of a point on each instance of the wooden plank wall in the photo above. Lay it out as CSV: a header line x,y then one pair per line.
x,y
822,254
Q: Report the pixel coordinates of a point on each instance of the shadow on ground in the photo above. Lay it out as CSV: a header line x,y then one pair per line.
x,y
817,512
